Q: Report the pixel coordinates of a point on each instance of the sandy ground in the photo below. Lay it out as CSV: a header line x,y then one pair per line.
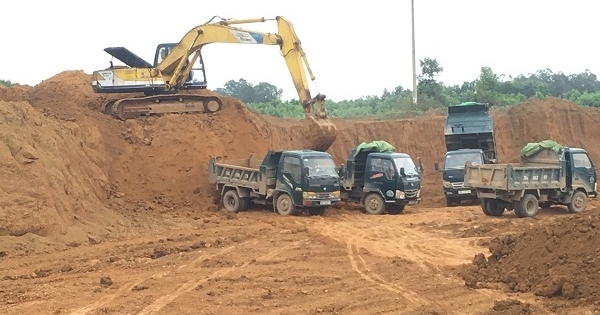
x,y
256,262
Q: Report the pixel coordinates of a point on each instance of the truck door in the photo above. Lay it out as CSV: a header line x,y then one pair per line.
x,y
290,178
584,173
381,176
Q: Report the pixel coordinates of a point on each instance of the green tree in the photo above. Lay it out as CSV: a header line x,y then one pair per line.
x,y
249,93
6,83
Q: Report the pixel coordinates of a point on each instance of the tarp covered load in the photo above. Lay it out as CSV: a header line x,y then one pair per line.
x,y
534,148
374,146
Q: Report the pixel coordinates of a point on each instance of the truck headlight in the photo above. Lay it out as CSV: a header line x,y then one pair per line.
x,y
447,184
400,194
335,194
309,195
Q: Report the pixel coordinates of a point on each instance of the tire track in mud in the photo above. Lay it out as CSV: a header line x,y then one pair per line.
x,y
387,239
129,285
165,300
410,296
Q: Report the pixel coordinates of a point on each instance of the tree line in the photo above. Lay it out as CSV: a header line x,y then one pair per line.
x,y
488,87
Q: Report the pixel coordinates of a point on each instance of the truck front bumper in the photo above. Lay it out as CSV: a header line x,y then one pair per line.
x,y
319,202
460,193
403,202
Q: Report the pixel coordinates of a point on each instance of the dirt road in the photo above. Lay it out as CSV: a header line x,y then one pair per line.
x,y
259,262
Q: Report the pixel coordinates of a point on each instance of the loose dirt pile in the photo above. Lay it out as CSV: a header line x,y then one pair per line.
x,y
558,261
52,180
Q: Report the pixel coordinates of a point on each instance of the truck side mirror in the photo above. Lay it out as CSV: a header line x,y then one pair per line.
x,y
342,170
402,173
306,170
420,165
436,166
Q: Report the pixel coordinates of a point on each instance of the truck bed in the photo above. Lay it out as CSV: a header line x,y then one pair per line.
x,y
243,172
507,177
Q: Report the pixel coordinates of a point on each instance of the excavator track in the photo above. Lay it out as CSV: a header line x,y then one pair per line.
x,y
130,108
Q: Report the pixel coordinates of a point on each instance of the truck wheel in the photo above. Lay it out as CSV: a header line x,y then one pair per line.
x,y
485,204
495,208
578,203
374,204
231,201
284,205
395,209
527,206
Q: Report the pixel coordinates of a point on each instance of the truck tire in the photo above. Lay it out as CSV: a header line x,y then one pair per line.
x,y
527,206
495,208
578,203
374,204
284,205
395,209
232,201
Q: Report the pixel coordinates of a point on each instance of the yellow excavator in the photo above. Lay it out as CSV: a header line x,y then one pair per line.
x,y
177,65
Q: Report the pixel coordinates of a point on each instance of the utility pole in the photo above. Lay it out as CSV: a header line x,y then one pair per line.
x,y
412,9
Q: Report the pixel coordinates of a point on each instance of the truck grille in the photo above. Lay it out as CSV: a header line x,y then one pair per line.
x,y
411,193
323,196
458,185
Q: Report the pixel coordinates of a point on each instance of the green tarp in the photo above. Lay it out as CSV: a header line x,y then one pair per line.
x,y
534,148
375,146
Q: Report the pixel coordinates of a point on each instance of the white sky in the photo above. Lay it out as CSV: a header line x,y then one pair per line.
x,y
354,50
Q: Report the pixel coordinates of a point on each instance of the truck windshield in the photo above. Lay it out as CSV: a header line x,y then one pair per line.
x,y
320,166
454,161
407,163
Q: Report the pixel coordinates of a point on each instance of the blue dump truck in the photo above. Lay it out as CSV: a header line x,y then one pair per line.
x,y
289,180
547,174
380,178
469,136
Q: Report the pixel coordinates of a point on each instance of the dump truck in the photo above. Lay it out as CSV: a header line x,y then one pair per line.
x,y
380,178
548,174
288,180
469,136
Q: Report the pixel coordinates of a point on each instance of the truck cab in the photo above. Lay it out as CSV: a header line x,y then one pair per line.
x,y
580,171
381,181
453,174
305,178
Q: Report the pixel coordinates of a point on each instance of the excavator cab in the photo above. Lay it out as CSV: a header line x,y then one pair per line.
x,y
197,77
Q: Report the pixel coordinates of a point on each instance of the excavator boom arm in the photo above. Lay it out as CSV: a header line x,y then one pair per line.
x,y
174,70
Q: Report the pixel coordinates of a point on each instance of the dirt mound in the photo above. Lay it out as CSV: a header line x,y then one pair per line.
x,y
167,156
52,178
558,261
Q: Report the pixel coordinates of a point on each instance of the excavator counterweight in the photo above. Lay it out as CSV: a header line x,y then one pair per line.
x,y
165,82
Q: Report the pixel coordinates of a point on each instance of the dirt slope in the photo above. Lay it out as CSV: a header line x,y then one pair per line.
x,y
52,180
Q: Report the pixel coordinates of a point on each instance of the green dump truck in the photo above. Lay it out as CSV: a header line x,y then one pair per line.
x,y
547,174
380,178
288,180
469,136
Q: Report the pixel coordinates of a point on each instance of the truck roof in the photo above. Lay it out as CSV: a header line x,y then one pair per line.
x,y
306,152
389,154
460,151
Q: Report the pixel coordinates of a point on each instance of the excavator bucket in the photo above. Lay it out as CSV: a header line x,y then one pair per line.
x,y
321,134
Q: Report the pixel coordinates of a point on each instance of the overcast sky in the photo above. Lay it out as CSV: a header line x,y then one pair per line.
x,y
353,49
